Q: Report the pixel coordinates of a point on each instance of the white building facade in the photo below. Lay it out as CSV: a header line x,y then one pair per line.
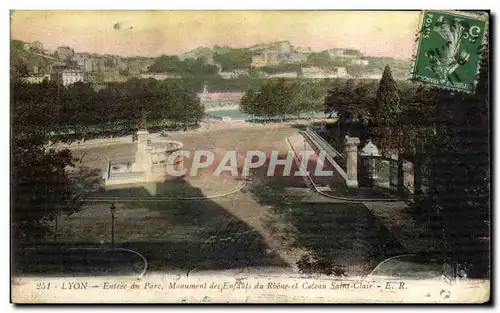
x,y
67,76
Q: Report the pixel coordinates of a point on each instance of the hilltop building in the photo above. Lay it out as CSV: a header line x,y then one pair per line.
x,y
83,61
37,45
307,50
67,76
65,53
34,46
283,75
296,57
284,47
343,53
266,59
259,60
139,65
336,52
360,62
373,76
233,74
111,74
318,73
36,79
56,65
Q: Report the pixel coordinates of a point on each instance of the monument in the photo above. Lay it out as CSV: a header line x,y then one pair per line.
x,y
150,162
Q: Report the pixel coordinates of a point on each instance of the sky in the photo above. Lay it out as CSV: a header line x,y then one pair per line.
x,y
153,33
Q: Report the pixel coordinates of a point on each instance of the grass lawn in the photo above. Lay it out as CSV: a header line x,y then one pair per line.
x,y
343,236
414,236
76,260
171,235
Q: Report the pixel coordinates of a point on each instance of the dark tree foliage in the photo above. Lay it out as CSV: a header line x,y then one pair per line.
x,y
279,99
234,59
187,67
446,136
41,188
459,198
350,100
282,68
18,69
79,112
352,52
387,102
320,59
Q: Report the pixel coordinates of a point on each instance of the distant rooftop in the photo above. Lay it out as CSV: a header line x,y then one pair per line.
x,y
336,49
66,69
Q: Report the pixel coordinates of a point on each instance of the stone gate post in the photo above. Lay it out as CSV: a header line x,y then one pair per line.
x,y
351,149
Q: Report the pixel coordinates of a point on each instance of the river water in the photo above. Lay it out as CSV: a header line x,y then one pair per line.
x,y
237,114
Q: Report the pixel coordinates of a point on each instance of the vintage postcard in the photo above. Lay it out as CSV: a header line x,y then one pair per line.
x,y
250,156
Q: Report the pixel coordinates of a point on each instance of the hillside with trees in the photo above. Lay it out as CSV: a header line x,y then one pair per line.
x,y
30,59
188,67
233,59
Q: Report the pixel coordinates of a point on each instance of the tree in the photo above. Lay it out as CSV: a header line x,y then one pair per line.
x,y
353,52
386,128
461,174
355,70
18,69
339,99
387,103
187,67
320,59
233,59
275,99
452,129
350,100
41,187
248,102
182,105
307,97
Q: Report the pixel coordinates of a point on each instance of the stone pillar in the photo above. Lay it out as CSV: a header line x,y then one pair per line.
x,y
351,148
393,171
408,177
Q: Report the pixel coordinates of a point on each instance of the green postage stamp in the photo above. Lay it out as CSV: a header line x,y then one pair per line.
x,y
449,50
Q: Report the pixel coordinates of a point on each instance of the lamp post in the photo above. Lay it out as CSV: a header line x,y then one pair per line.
x,y
57,225
304,152
112,209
